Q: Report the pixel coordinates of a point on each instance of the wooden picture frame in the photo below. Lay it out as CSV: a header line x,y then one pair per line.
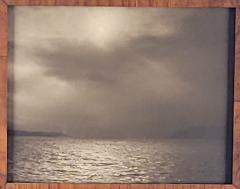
x,y
5,4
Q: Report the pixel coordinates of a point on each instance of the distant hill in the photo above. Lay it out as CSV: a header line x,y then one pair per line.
x,y
195,133
33,133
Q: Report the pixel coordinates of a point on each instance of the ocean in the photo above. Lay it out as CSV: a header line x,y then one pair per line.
x,y
73,160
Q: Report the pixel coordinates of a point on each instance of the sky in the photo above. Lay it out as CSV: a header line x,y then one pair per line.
x,y
119,72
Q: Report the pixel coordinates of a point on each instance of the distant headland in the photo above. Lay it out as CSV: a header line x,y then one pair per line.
x,y
12,132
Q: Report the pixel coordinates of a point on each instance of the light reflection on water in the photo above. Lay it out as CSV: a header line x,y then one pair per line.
x,y
52,159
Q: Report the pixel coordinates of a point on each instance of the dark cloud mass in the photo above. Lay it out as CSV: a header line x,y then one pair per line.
x,y
122,73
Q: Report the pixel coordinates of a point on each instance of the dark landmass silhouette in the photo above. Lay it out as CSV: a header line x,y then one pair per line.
x,y
33,133
186,133
197,133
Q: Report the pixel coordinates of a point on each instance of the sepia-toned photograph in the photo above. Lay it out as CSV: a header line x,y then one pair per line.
x,y
118,95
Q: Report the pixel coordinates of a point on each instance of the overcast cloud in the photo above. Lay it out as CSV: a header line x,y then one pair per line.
x,y
119,72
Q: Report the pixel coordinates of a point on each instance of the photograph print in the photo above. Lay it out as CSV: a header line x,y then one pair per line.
x,y
118,95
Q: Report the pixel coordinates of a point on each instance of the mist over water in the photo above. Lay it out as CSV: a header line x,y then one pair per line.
x,y
50,159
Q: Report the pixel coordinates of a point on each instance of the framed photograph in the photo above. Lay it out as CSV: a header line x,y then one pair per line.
x,y
119,94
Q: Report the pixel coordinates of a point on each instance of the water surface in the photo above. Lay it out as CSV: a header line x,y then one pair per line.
x,y
59,159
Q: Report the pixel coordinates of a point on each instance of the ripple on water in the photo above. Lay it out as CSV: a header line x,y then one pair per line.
x,y
38,159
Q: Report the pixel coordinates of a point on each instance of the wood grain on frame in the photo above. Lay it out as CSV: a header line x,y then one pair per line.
x,y
236,145
131,3
236,125
3,29
115,186
237,57
3,120
3,93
